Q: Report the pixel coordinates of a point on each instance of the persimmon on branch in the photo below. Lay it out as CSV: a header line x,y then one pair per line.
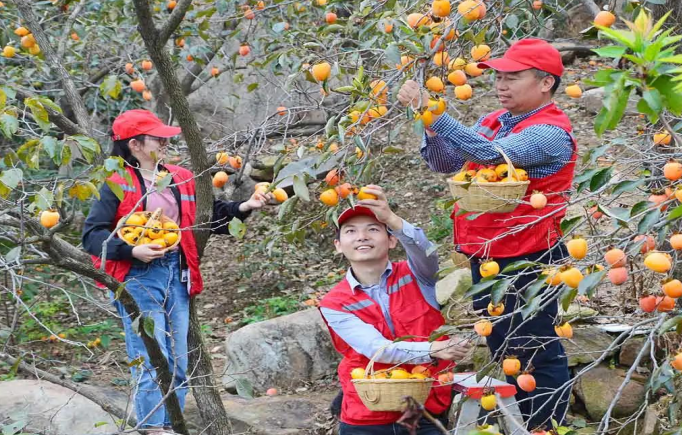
x,y
25,8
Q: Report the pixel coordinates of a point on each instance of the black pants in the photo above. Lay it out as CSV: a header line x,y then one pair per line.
x,y
532,342
425,428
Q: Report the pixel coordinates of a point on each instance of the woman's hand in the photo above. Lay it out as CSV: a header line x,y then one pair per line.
x,y
453,349
148,252
257,201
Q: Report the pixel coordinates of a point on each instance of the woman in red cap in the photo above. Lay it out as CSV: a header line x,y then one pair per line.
x,y
537,136
160,280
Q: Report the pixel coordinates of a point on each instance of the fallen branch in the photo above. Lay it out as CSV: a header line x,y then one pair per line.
x,y
84,390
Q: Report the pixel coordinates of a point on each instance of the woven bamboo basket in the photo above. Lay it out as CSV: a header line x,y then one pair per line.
x,y
156,215
389,394
489,197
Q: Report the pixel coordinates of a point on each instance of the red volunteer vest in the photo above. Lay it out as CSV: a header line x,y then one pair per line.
x,y
411,315
132,195
478,237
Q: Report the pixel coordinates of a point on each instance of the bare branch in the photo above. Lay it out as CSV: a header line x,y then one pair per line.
x,y
84,390
67,29
61,121
173,21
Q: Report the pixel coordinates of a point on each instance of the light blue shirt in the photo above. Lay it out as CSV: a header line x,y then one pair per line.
x,y
365,338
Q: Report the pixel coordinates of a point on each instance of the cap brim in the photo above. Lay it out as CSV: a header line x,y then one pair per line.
x,y
164,131
504,65
352,212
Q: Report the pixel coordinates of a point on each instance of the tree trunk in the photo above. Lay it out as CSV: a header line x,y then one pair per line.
x,y
204,389
208,399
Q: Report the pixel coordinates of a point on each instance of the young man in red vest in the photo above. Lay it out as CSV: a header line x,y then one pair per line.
x,y
537,136
379,301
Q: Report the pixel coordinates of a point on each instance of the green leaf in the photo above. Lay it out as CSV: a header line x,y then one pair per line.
x,y
81,375
615,102
244,388
39,113
13,254
9,124
533,289
531,307
301,189
653,99
11,177
252,87
116,189
613,51
512,21
50,146
676,213
521,264
626,186
568,224
499,290
669,324
639,208
625,37
568,296
44,199
484,372
589,283
3,99
148,325
392,54
237,228
648,221
479,287
601,178
164,182
136,362
286,207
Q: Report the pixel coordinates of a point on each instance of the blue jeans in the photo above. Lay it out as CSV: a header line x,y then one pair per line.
x,y
158,292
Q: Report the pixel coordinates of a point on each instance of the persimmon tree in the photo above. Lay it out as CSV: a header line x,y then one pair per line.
x,y
69,68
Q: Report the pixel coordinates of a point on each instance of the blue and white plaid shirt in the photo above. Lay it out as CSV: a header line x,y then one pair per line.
x,y
541,150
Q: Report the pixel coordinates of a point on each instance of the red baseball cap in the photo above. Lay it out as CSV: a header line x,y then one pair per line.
x,y
528,53
352,212
137,121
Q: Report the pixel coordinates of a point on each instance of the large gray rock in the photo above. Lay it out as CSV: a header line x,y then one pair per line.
x,y
592,100
50,409
277,415
598,387
453,286
629,351
587,344
286,352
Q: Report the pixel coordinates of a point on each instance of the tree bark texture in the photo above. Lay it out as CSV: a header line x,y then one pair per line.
x,y
208,399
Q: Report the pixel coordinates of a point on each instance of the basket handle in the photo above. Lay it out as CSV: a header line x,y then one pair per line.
x,y
370,365
376,397
510,165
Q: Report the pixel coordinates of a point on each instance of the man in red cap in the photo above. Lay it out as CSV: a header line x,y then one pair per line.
x,y
379,301
537,137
